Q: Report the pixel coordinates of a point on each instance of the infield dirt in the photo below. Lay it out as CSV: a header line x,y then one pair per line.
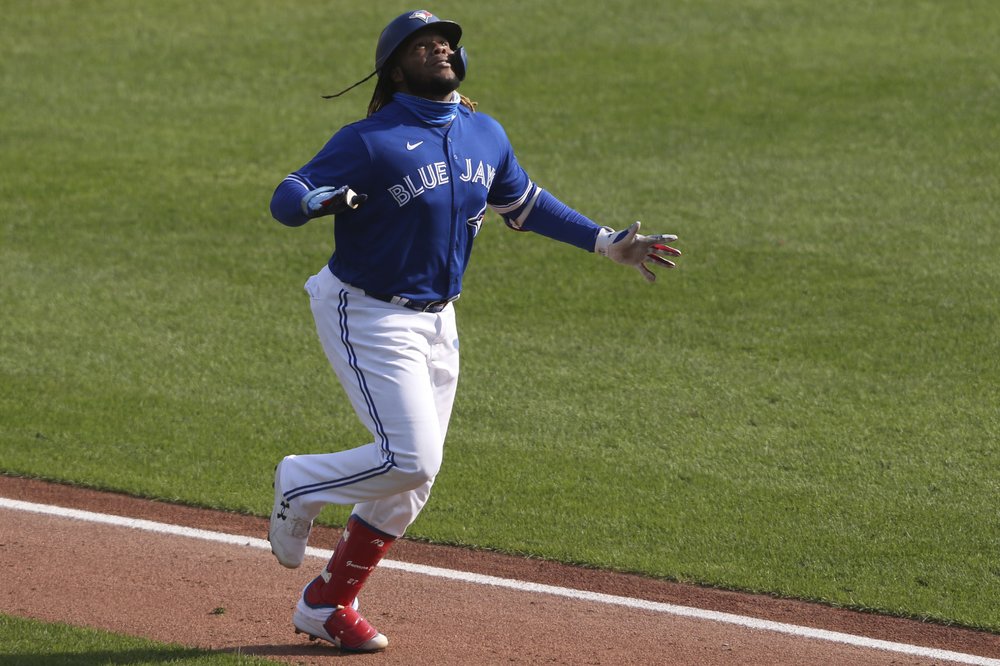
x,y
230,598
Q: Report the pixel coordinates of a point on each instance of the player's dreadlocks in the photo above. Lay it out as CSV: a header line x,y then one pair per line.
x,y
384,91
468,103
382,94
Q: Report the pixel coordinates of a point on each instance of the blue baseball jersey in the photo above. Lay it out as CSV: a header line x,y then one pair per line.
x,y
428,189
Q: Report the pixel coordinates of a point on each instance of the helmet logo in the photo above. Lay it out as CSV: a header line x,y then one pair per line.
x,y
421,14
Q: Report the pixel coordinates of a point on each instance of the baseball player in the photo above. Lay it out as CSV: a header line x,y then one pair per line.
x,y
408,186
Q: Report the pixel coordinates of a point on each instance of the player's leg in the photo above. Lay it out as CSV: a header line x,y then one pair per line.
x,y
375,525
394,514
328,606
407,457
381,353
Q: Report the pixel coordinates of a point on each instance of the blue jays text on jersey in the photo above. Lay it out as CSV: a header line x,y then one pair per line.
x,y
428,184
432,175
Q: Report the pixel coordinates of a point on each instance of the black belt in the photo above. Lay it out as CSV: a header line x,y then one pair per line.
x,y
419,306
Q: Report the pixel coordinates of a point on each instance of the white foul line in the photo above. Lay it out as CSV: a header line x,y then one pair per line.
x,y
524,586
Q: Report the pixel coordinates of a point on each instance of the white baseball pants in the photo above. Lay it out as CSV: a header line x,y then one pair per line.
x,y
399,368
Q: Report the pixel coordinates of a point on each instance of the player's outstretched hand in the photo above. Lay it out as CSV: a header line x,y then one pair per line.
x,y
631,248
331,200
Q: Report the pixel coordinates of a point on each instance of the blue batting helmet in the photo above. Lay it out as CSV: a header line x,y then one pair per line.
x,y
404,25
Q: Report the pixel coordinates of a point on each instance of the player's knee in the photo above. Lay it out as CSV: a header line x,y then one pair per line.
x,y
421,473
418,470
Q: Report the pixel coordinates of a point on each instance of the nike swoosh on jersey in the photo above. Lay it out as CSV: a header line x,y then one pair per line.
x,y
411,146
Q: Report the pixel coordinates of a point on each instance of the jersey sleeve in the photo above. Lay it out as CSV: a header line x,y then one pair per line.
x,y
344,160
524,206
554,219
286,202
512,194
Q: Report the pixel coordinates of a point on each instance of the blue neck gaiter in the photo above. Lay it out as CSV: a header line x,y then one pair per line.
x,y
433,113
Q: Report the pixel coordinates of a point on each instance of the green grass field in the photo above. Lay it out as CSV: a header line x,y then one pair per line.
x,y
32,643
807,407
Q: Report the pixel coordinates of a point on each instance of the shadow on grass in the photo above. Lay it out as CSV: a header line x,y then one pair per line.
x,y
167,655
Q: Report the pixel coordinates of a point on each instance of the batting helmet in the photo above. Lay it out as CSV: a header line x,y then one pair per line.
x,y
404,25
400,29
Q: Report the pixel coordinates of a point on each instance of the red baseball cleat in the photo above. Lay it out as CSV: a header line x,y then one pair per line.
x,y
344,627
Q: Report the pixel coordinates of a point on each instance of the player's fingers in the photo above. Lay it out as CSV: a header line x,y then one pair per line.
x,y
629,233
646,273
672,251
661,261
662,238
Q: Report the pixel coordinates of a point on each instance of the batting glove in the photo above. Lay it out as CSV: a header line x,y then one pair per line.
x,y
631,248
331,201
